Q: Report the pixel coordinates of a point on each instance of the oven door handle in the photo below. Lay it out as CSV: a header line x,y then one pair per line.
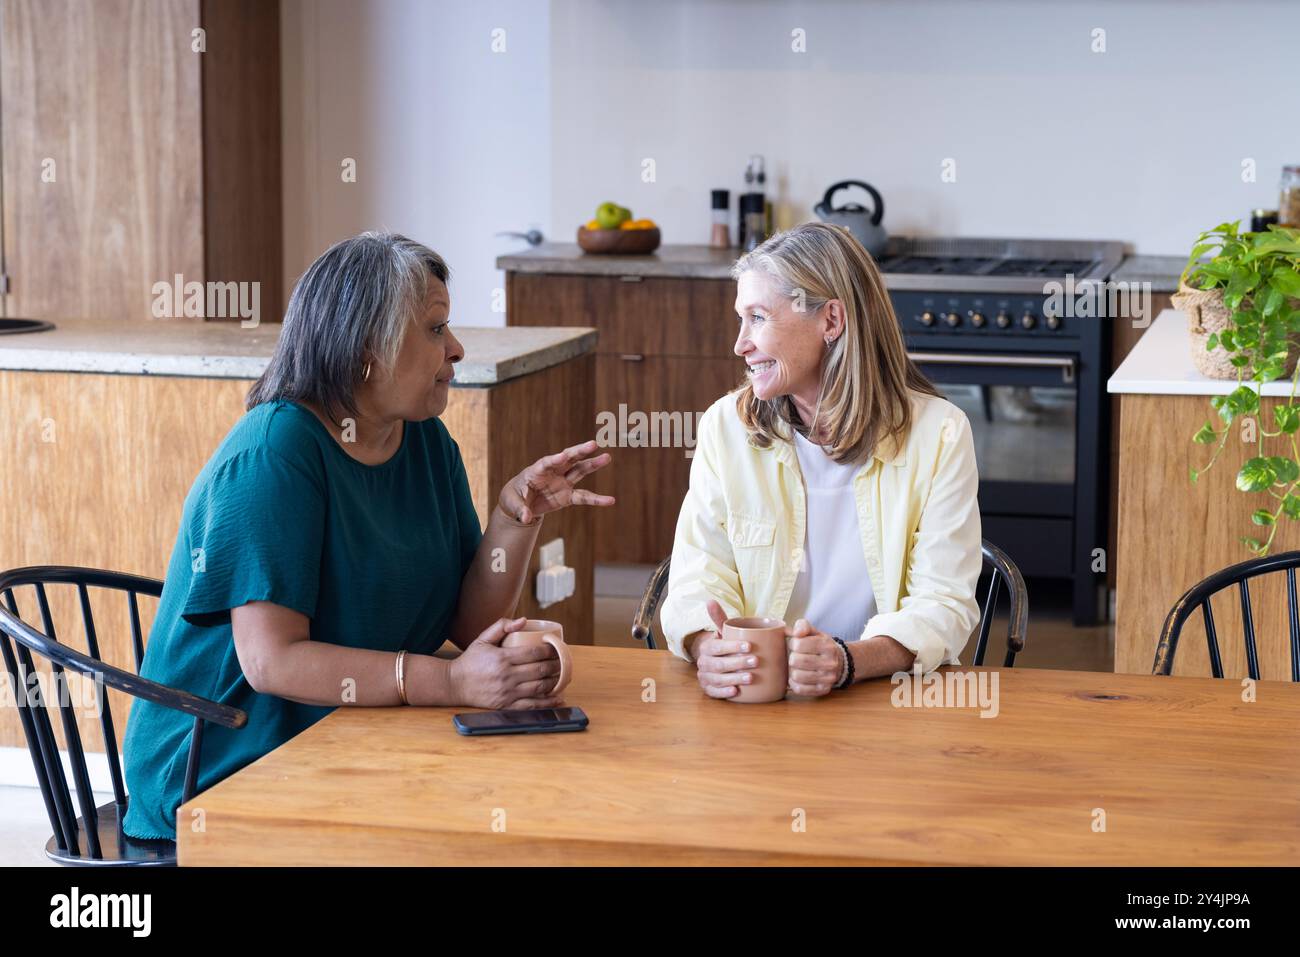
x,y
1066,364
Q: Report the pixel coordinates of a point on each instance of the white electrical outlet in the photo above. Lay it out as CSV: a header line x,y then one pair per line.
x,y
555,580
552,553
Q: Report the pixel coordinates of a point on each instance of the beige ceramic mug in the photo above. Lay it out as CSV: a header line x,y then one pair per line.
x,y
537,631
767,643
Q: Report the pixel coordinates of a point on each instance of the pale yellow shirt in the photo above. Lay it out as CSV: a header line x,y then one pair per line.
x,y
742,525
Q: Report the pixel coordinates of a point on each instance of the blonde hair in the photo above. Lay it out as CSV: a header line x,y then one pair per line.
x,y
867,375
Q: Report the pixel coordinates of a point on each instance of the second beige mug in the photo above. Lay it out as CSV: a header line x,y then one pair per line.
x,y
767,643
537,631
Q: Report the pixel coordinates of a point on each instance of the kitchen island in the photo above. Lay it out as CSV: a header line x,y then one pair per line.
x,y
109,422
1173,533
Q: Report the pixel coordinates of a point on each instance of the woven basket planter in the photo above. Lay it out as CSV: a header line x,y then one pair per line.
x,y
1207,315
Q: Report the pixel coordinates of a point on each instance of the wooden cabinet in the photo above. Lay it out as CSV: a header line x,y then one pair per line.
x,y
1172,534
663,357
654,403
130,158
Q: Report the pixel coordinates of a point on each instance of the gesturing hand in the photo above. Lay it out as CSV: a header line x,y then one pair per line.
x,y
549,484
815,661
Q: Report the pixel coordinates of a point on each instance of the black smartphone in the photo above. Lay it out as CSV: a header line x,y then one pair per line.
x,y
541,721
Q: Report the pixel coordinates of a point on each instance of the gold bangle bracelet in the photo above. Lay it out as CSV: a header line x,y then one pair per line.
x,y
401,676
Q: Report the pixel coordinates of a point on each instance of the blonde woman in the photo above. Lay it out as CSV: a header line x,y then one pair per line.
x,y
835,489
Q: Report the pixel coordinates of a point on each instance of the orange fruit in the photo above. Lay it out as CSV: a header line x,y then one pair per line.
x,y
592,224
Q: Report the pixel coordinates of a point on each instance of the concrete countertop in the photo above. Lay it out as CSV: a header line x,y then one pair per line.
x,y
226,350
1161,271
678,261
705,262
1161,364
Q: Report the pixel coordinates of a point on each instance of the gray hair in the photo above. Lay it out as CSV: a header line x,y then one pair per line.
x,y
352,306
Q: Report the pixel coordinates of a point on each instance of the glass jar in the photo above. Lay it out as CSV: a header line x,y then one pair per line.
x,y
720,237
1288,207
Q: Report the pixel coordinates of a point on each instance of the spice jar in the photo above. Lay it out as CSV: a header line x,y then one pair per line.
x,y
720,237
1288,207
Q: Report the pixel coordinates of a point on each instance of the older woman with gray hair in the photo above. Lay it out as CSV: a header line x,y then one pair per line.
x,y
330,546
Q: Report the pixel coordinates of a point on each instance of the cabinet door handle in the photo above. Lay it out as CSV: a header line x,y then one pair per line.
x,y
631,278
632,357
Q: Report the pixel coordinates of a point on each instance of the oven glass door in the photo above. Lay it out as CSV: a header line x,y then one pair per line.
x,y
1023,412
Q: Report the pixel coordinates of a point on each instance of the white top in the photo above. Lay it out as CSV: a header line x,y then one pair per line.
x,y
833,591
1161,364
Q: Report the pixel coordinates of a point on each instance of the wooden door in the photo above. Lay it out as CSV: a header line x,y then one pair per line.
x,y
102,154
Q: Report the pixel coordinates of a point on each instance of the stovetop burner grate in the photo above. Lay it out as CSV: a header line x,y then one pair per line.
x,y
1050,268
938,265
975,264
982,266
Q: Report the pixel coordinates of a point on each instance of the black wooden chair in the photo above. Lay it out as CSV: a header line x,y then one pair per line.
x,y
1002,572
1199,595
94,838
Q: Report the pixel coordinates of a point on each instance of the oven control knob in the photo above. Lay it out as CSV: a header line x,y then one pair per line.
x,y
977,320
1028,320
1053,322
1003,320
927,318
952,319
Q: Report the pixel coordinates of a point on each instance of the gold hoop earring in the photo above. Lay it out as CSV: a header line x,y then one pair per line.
x,y
365,373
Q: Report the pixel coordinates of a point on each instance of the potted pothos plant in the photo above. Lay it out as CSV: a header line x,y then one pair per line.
x,y
1258,277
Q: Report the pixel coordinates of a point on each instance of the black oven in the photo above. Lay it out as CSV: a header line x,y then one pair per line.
x,y
1030,379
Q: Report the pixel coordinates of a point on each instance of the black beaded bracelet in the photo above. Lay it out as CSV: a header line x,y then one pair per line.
x,y
848,658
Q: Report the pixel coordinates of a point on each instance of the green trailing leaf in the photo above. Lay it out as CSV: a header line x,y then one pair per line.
x,y
1291,506
1286,470
1287,282
1214,271
1205,435
1286,418
1256,475
1213,341
1242,400
1262,516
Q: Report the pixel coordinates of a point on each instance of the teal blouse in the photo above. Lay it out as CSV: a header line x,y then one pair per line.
x,y
374,555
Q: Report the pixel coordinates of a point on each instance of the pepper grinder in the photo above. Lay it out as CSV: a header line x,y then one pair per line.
x,y
720,238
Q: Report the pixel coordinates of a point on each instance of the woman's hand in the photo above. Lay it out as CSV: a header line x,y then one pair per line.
x,y
489,676
721,665
549,484
816,662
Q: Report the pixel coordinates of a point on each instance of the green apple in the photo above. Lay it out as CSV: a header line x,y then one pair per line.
x,y
609,215
624,214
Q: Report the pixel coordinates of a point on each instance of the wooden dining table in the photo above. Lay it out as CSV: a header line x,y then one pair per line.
x,y
1058,768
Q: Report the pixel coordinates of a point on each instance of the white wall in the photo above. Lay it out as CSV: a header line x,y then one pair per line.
x,y
1142,143
450,138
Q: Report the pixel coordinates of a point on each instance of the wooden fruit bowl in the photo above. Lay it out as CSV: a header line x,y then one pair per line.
x,y
618,242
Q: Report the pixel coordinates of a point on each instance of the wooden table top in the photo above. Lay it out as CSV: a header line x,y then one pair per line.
x,y
1179,771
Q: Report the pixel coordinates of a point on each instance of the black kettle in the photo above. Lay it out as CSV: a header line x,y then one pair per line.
x,y
864,225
